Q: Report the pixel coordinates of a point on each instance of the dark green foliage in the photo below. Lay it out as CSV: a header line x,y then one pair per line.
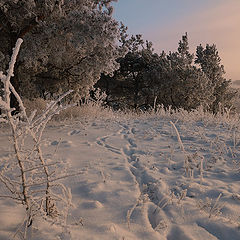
x,y
188,86
127,87
173,79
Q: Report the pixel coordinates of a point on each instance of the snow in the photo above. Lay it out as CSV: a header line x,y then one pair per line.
x,y
136,181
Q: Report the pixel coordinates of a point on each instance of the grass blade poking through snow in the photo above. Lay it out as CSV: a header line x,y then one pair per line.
x,y
178,137
186,165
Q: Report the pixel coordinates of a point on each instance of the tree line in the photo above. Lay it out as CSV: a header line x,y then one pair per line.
x,y
178,79
77,44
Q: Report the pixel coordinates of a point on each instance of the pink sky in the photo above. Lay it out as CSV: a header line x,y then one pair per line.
x,y
208,21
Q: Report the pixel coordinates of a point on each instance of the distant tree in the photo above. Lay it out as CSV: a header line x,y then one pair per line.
x,y
132,69
183,51
188,86
173,79
210,63
67,44
127,86
176,82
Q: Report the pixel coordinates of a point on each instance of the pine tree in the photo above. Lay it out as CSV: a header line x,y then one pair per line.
x,y
127,87
183,51
210,64
144,77
187,86
67,44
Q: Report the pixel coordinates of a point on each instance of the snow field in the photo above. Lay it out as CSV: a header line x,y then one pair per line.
x,y
137,183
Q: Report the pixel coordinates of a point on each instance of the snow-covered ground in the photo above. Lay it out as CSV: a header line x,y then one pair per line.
x,y
138,182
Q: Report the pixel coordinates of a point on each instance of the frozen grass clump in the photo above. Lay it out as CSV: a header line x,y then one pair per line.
x,y
38,104
97,109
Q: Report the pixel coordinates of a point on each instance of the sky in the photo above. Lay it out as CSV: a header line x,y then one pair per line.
x,y
207,21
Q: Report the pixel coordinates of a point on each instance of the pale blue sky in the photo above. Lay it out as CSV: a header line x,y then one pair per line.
x,y
207,21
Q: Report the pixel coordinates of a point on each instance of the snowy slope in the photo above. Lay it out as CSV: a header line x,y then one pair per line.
x,y
138,183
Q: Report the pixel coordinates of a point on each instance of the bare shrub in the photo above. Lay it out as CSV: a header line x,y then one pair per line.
x,y
27,176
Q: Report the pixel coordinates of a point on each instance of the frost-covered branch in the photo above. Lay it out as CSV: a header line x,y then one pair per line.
x,y
28,178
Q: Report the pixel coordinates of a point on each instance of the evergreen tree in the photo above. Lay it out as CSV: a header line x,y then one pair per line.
x,y
127,86
183,51
210,64
67,44
182,84
171,79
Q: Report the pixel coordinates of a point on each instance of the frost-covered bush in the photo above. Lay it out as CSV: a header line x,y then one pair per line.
x,y
27,176
67,44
